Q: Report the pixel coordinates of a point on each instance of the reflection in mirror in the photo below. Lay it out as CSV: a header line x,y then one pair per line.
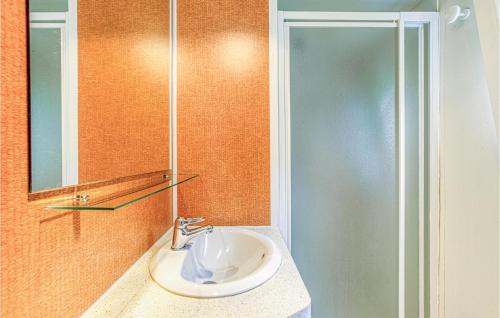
x,y
99,90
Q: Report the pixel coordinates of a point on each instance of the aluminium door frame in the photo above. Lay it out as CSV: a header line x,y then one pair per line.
x,y
280,128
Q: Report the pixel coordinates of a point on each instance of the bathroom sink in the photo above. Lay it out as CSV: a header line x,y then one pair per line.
x,y
226,262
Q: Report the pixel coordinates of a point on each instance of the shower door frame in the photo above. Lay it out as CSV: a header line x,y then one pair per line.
x,y
281,140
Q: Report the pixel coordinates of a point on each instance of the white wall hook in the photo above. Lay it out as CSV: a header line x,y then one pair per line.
x,y
455,13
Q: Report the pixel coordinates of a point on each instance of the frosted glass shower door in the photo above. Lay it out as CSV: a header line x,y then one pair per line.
x,y
46,94
343,168
357,130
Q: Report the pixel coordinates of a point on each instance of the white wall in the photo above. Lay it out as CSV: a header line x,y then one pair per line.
x,y
487,23
470,174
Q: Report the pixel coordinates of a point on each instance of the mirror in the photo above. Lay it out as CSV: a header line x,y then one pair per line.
x,y
99,90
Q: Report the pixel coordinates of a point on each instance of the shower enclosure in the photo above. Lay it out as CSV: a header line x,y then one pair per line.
x,y
356,149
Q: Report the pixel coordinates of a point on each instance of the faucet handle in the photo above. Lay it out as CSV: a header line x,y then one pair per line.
x,y
189,221
181,222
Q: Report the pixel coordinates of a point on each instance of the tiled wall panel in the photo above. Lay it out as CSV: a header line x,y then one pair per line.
x,y
123,78
223,110
55,264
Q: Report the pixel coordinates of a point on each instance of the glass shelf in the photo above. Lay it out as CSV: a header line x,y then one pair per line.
x,y
119,195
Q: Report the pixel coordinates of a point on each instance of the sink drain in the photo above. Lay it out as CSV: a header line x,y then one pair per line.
x,y
209,282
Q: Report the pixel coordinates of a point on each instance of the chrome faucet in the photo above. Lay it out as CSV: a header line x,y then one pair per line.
x,y
183,234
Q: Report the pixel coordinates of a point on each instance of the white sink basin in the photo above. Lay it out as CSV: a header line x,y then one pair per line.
x,y
227,262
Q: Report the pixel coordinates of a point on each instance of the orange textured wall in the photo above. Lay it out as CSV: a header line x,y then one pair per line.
x,y
123,80
223,110
55,264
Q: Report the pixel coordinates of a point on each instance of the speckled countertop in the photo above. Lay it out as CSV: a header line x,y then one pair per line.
x,y
135,294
